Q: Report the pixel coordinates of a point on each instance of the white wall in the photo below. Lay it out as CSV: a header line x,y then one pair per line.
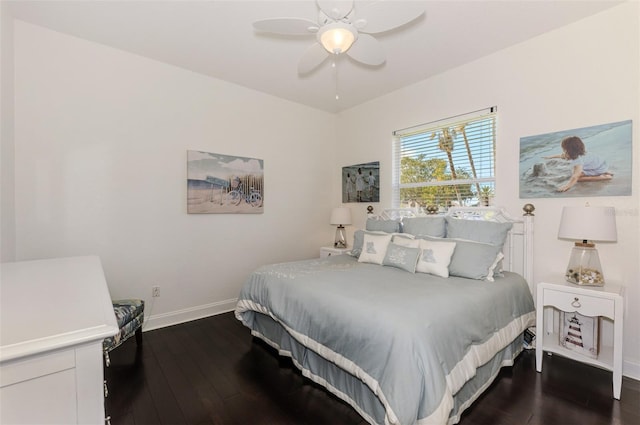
x,y
580,75
101,140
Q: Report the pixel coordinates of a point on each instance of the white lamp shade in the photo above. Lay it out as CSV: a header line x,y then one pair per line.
x,y
588,223
337,37
341,216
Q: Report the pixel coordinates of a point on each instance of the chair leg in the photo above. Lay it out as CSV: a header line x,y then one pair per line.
x,y
139,336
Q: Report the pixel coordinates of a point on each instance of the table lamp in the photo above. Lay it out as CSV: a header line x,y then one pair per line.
x,y
340,216
587,224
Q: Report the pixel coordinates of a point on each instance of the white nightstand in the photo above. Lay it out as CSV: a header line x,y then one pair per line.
x,y
327,251
591,301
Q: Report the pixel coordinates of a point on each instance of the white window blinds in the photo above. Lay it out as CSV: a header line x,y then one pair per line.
x,y
446,163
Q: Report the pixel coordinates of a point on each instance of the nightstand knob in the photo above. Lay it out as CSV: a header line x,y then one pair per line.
x,y
576,303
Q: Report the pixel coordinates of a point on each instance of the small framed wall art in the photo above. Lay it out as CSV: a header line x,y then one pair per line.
x,y
361,183
228,184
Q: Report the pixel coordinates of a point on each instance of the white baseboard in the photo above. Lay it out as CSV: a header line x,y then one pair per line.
x,y
631,370
158,321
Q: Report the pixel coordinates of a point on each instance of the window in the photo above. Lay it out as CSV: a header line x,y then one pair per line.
x,y
446,163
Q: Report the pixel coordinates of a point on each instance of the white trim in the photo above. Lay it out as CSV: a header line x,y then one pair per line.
x,y
631,369
188,314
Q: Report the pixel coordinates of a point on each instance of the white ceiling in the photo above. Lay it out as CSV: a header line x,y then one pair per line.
x,y
216,38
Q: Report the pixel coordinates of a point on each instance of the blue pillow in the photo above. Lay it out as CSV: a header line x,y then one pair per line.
x,y
424,226
387,226
401,257
490,232
474,260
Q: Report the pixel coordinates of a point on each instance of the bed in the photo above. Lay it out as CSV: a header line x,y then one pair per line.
x,y
412,326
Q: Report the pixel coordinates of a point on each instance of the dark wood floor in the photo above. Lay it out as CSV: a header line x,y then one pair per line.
x,y
211,371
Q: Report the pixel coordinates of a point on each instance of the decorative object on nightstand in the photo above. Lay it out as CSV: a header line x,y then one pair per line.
x,y
580,333
340,216
587,224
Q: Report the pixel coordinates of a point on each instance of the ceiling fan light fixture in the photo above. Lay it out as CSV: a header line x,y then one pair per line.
x,y
337,37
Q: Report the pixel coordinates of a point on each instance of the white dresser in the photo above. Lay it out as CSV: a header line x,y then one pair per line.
x,y
54,315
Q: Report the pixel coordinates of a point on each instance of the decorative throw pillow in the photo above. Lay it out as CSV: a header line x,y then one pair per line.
x,y
490,232
474,260
374,248
401,257
405,240
387,226
435,257
425,226
358,239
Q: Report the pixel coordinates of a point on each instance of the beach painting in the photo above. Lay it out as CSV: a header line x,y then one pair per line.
x,y
361,183
225,184
583,162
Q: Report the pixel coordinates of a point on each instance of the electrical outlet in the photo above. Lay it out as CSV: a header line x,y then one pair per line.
x,y
155,291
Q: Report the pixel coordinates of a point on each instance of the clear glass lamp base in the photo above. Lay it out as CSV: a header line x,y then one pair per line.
x,y
341,238
584,266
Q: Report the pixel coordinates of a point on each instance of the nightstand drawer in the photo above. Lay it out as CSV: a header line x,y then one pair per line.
x,y
583,304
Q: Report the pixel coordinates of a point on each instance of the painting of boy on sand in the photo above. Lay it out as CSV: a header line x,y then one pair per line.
x,y
224,184
589,161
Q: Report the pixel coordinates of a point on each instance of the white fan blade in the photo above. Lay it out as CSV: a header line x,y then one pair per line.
x,y
312,58
336,9
287,26
367,50
383,16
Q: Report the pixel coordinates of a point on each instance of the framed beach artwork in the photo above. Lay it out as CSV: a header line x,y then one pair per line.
x,y
361,183
583,162
219,183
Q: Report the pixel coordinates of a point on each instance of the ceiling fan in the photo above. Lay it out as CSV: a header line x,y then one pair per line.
x,y
338,29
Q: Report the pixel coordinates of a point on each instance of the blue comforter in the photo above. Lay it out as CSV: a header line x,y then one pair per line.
x,y
413,339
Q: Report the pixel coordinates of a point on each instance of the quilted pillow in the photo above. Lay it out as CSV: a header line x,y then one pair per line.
x,y
401,257
374,248
435,257
425,226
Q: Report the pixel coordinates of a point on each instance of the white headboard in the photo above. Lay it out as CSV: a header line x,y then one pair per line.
x,y
518,248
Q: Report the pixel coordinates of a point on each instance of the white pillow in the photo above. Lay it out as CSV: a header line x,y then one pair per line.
x,y
374,248
407,241
491,271
435,257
